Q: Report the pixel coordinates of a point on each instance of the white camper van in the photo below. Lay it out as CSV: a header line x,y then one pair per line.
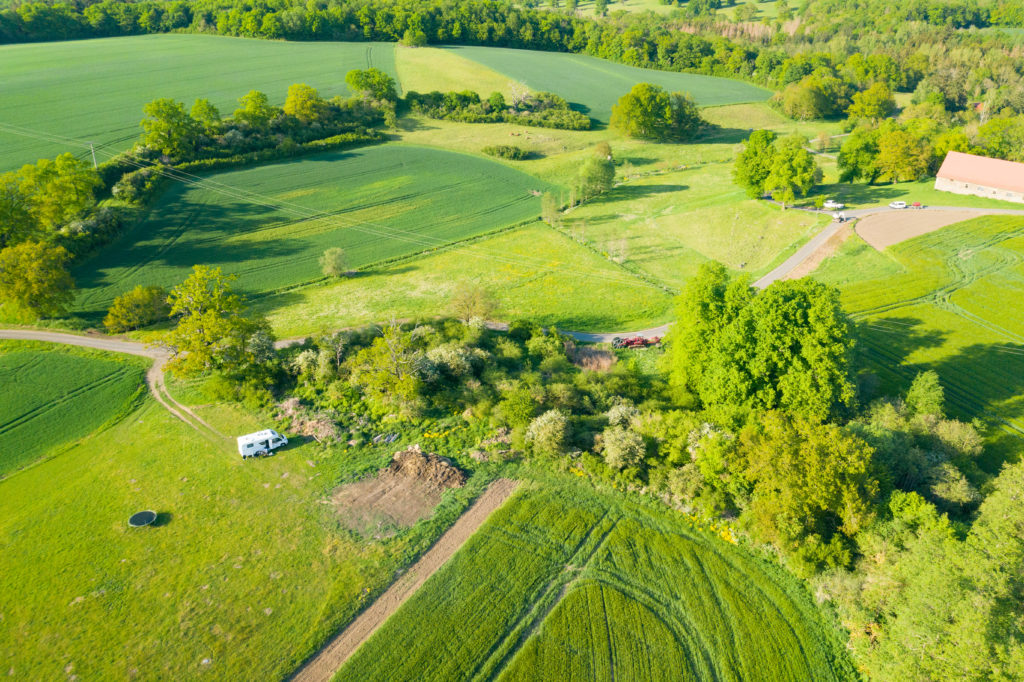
x,y
260,443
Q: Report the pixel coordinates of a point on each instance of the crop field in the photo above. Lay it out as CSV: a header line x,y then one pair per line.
x,y
425,69
945,301
270,224
565,583
595,84
94,90
243,575
52,396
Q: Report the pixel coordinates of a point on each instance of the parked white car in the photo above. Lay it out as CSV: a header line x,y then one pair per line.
x,y
833,205
898,204
260,444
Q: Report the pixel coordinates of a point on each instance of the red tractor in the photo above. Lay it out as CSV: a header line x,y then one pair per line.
x,y
635,342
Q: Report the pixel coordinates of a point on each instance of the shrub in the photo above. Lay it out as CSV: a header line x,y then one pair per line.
x,y
623,448
506,151
548,433
334,263
139,307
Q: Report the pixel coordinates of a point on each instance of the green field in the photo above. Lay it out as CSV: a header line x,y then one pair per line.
x,y
946,301
542,276
270,224
564,583
596,84
244,575
93,90
52,396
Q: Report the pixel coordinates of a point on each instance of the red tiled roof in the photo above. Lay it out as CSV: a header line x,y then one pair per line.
x,y
981,170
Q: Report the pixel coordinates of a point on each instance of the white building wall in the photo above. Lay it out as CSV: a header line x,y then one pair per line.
x,y
948,185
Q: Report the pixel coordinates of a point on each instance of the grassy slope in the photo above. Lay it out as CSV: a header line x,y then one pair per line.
x,y
565,583
533,272
376,203
944,301
54,396
94,90
244,576
597,84
425,69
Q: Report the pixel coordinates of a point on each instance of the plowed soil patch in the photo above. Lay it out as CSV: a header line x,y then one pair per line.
x,y
406,491
892,227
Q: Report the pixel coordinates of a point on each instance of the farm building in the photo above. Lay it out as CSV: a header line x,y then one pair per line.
x,y
969,174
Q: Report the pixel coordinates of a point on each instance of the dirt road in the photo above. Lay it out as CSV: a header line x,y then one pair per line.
x,y
154,377
325,664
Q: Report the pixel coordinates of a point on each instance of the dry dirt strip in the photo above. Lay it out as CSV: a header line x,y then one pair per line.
x,y
325,664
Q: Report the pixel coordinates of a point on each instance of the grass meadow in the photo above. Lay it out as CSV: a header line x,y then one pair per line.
x,y
94,90
532,272
243,576
270,224
594,85
567,583
54,396
425,69
945,301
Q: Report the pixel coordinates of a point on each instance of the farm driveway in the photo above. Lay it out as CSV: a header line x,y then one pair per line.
x,y
154,377
325,664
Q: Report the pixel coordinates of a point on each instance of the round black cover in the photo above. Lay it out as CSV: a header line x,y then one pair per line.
x,y
142,518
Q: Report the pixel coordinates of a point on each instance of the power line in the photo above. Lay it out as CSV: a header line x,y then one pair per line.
x,y
373,229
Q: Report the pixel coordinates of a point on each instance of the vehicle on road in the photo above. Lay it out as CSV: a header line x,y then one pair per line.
x,y
898,204
839,217
260,444
917,204
834,205
635,342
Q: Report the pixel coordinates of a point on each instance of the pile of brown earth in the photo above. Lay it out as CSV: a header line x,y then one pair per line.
x,y
401,494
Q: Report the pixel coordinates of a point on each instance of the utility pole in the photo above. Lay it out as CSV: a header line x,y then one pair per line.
x,y
93,150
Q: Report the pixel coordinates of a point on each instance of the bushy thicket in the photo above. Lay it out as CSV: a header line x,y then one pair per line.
x,y
542,109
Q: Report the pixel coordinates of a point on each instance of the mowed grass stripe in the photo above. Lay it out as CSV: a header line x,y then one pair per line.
x,y
597,84
377,203
52,397
94,89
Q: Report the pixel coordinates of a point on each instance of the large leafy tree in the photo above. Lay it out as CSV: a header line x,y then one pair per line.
x,y
902,155
169,128
793,171
373,84
304,103
648,111
212,332
41,197
787,347
34,277
755,162
857,156
874,103
256,110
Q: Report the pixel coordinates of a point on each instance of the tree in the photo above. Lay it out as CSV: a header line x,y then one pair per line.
x,y
16,221
1003,138
53,192
304,103
334,262
414,37
754,163
256,111
858,155
926,395
212,331
387,370
473,302
793,171
648,111
137,308
373,84
812,485
600,7
787,347
169,129
34,277
623,447
207,116
902,156
873,104
549,209
597,175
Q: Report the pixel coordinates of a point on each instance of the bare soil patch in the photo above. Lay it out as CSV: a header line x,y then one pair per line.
x,y
406,491
325,664
892,227
811,263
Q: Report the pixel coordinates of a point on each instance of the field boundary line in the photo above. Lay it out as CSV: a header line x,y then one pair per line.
x,y
328,661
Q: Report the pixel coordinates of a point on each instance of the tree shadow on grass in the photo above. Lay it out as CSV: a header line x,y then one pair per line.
x,y
883,346
630,192
720,135
851,193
